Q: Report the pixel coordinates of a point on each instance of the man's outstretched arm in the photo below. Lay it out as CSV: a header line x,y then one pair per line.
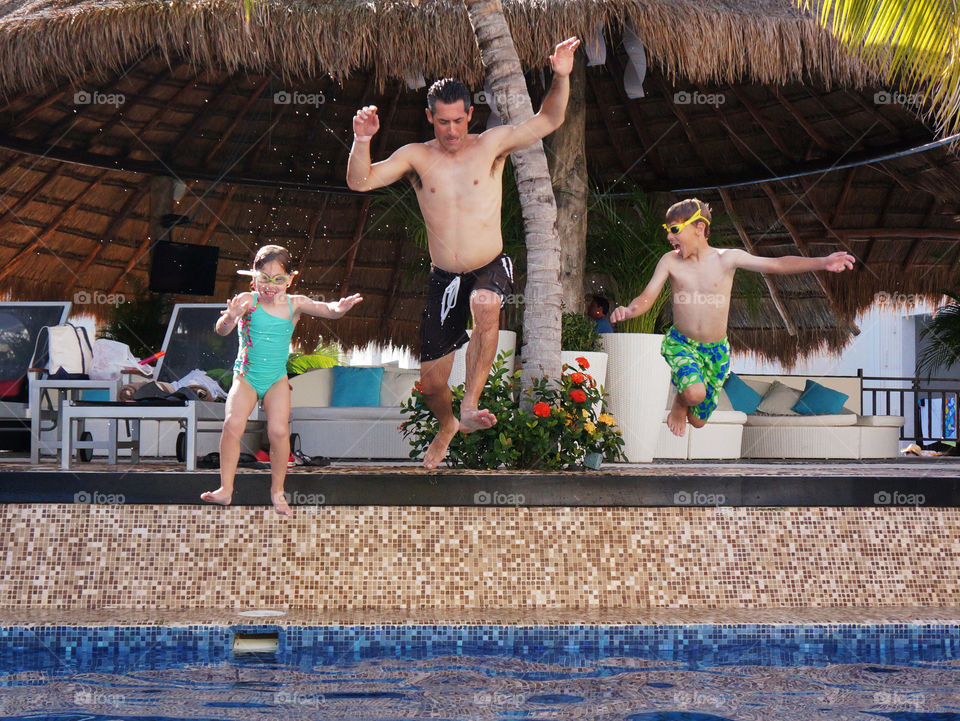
x,y
552,111
361,173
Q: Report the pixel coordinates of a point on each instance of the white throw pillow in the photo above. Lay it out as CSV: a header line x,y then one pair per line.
x,y
396,385
779,400
312,389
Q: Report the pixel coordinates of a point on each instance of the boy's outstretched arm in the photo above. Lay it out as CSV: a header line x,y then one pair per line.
x,y
791,264
642,303
327,310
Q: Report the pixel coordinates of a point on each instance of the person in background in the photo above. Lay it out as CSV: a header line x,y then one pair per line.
x,y
599,309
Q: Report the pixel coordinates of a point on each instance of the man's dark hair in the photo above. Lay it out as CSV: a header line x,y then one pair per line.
x,y
603,303
449,91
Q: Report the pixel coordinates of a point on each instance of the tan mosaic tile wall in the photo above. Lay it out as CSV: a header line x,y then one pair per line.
x,y
177,557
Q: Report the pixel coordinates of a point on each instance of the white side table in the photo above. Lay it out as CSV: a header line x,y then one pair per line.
x,y
65,390
133,412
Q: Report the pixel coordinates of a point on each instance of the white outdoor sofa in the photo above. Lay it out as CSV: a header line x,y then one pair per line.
x,y
846,435
363,431
721,438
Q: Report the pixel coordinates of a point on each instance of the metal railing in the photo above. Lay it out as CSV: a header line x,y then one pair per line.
x,y
928,405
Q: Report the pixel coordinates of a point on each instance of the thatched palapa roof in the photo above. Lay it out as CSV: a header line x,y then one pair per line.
x,y
199,103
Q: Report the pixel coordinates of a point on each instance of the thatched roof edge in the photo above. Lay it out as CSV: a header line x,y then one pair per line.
x,y
696,41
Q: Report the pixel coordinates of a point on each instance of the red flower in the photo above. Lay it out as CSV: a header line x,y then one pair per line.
x,y
417,387
578,396
541,409
584,363
577,378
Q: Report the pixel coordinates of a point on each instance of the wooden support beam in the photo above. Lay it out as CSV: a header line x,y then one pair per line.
x,y
802,247
764,124
748,244
803,123
218,99
344,287
10,214
844,194
144,246
647,142
254,96
254,154
168,105
135,197
394,285
605,117
48,230
311,236
215,218
49,98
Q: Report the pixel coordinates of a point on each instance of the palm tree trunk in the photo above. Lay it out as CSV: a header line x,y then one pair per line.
x,y
542,295
566,150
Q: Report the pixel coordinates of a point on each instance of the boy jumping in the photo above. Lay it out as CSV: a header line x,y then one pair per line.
x,y
701,278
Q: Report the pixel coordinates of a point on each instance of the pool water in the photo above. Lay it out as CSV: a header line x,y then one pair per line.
x,y
640,673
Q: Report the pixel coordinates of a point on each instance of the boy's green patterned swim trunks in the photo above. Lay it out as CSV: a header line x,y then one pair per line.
x,y
693,362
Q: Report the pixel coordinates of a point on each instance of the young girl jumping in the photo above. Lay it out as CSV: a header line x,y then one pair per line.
x,y
266,317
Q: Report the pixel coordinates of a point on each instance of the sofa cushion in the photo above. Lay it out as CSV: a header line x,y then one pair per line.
x,y
779,400
312,389
356,386
881,421
797,421
819,400
397,384
742,397
351,413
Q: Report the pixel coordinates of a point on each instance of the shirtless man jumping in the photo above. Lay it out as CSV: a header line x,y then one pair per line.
x,y
457,178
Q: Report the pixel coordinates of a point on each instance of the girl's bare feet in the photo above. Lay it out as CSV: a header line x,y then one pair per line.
x,y
221,496
280,503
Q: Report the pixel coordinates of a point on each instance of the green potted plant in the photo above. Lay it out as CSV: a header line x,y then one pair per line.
x,y
579,339
563,424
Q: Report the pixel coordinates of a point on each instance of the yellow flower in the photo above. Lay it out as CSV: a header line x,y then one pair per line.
x,y
584,411
590,427
607,419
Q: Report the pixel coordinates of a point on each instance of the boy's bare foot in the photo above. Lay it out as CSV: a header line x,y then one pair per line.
x,y
476,420
218,496
677,419
438,447
280,503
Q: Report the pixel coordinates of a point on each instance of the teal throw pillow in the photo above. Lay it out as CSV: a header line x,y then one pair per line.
x,y
742,397
818,400
356,386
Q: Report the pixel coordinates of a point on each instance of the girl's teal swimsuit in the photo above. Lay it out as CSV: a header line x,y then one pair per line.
x,y
264,347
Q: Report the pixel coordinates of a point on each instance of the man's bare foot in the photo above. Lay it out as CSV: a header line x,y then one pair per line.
x,y
218,496
677,420
280,503
476,420
438,448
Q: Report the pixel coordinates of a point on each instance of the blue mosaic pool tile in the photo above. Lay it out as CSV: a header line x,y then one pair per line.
x,y
71,648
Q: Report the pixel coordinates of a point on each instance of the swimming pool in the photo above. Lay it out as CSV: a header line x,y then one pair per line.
x,y
904,672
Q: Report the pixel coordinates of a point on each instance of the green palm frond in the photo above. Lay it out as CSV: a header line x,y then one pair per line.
x,y
943,334
912,44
